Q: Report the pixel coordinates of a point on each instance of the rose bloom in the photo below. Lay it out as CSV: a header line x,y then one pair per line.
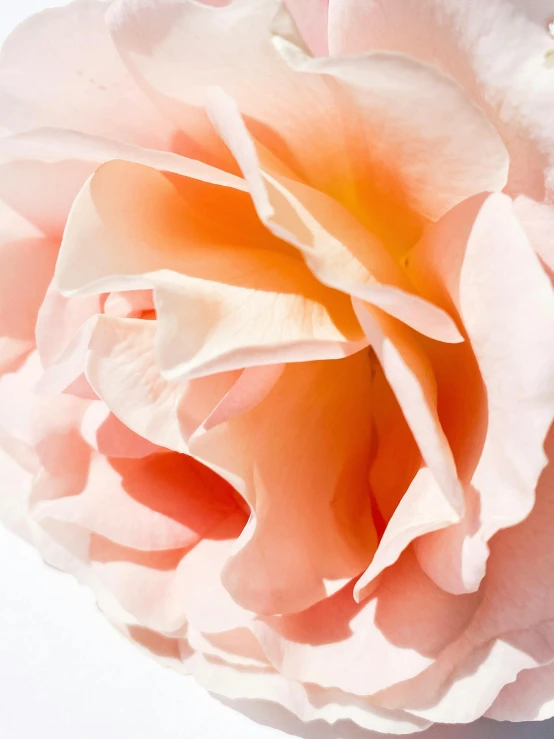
x,y
277,342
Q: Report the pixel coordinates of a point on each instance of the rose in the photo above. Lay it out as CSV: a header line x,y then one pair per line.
x,y
276,346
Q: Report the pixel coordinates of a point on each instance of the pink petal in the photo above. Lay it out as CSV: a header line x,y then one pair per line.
x,y
82,86
122,369
511,632
237,293
300,458
311,18
165,590
336,247
498,52
480,254
402,628
537,220
30,261
438,160
159,502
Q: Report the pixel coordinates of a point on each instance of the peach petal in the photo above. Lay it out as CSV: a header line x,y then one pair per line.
x,y
59,319
84,86
537,220
482,257
185,585
313,493
391,473
498,53
511,632
105,433
329,644
423,508
206,282
122,369
338,250
25,255
214,43
159,502
411,377
438,161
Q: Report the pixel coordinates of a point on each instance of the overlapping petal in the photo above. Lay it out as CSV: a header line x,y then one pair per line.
x,y
500,54
484,262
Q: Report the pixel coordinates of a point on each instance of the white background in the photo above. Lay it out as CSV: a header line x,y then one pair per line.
x,y
65,673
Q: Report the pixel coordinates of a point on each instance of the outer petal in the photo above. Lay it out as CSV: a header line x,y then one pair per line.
x,y
537,220
482,258
364,648
216,669
41,192
529,698
512,630
160,502
26,258
165,590
499,52
311,18
83,86
308,702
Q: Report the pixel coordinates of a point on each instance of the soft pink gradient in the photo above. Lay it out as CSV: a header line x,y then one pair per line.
x,y
277,342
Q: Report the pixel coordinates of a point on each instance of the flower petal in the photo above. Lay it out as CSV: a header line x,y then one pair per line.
x,y
480,255
335,246
300,458
122,370
341,135
83,86
26,257
238,295
499,53
512,630
330,643
160,502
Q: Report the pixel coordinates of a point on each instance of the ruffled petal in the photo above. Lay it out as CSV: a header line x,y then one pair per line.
x,y
121,368
537,220
26,257
338,125
401,629
511,632
165,590
238,295
500,53
301,459
83,86
159,502
481,257
529,698
311,18
335,246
